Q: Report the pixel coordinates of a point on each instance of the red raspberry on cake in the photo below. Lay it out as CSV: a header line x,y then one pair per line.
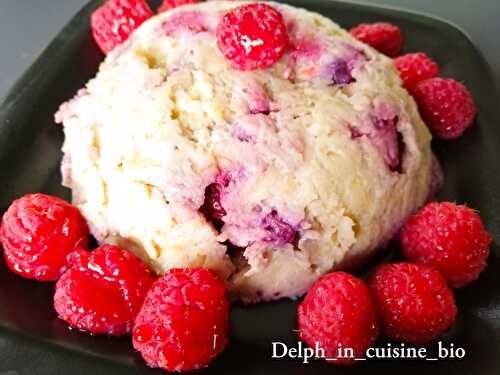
x,y
252,36
103,291
446,106
171,4
450,238
416,304
183,322
383,36
339,310
38,232
113,22
415,67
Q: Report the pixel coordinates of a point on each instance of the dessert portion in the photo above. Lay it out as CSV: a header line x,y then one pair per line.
x,y
271,174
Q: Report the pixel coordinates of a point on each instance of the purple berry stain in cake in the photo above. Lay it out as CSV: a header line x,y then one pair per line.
x,y
279,232
339,72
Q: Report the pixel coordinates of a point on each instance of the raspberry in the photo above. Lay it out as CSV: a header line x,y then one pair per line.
x,y
339,310
450,238
415,303
252,36
183,322
103,291
38,232
171,4
383,36
415,67
114,21
446,106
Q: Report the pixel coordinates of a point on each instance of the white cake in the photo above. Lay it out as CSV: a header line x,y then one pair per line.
x,y
270,177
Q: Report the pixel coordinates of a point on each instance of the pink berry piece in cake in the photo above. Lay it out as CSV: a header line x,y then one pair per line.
x,y
38,232
381,129
252,36
387,135
258,101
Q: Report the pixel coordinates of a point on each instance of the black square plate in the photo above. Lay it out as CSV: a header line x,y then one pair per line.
x,y
34,341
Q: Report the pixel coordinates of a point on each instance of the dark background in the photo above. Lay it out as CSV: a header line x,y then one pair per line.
x,y
27,26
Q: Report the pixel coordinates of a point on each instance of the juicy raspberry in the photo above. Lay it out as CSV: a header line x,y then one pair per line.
x,y
38,232
114,21
339,310
415,303
171,4
415,67
450,238
446,106
252,36
103,291
183,322
383,36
